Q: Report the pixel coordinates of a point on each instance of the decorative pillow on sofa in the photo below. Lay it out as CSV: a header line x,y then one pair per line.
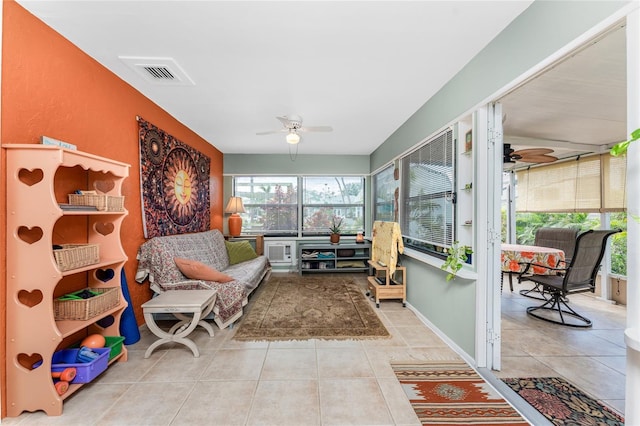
x,y
240,251
195,270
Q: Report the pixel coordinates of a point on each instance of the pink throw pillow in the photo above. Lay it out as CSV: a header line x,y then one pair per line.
x,y
195,270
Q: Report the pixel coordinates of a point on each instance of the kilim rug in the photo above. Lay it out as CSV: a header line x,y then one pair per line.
x,y
452,393
326,306
563,403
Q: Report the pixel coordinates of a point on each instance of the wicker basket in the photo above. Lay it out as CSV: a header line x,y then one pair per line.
x,y
84,309
73,256
111,203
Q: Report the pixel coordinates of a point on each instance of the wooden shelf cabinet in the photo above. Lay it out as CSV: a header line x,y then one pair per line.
x,y
39,179
327,257
382,286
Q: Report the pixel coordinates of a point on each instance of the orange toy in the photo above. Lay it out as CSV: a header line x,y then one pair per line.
x,y
64,377
94,341
61,387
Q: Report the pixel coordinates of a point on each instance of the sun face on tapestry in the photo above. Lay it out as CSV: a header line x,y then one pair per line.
x,y
174,182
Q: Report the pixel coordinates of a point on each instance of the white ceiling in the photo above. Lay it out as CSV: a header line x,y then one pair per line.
x,y
361,67
577,105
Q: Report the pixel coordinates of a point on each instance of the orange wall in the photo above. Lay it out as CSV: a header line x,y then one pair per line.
x,y
50,87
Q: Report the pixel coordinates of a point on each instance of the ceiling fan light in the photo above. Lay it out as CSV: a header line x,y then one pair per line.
x,y
293,138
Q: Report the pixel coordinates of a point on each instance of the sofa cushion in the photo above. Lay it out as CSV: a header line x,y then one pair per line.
x,y
240,251
199,271
250,273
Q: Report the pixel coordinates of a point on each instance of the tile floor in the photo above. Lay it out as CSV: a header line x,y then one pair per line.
x,y
326,382
592,358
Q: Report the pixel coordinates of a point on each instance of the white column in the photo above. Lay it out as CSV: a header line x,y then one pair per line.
x,y
605,270
632,334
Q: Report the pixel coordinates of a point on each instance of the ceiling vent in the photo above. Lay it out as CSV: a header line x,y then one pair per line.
x,y
158,71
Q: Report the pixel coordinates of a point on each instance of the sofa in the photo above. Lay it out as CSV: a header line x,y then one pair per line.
x,y
209,262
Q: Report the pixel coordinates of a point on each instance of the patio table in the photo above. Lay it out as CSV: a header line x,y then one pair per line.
x,y
514,259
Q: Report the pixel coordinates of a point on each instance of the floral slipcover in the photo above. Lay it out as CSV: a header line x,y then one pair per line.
x,y
514,258
156,263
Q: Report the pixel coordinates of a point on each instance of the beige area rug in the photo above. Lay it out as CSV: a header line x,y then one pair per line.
x,y
323,306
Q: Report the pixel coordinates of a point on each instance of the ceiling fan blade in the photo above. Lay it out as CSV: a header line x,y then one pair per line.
x,y
270,132
533,151
541,158
284,120
316,129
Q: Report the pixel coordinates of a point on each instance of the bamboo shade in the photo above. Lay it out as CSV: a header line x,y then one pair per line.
x,y
586,184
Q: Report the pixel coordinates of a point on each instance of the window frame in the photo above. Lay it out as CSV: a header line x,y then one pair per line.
x,y
376,212
300,207
446,195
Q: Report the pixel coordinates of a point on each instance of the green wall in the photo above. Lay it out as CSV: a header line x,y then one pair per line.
x,y
426,291
257,164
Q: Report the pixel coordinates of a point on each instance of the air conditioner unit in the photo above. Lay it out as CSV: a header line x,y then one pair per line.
x,y
279,252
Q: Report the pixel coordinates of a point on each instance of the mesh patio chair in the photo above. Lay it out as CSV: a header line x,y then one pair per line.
x,y
578,277
559,238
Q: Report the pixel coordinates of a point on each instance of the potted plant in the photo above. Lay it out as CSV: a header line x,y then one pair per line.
x,y
335,229
456,256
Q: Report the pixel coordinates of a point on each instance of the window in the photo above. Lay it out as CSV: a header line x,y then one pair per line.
x,y
384,187
427,212
326,197
271,204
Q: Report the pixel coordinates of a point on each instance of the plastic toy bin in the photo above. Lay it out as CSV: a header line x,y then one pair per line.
x,y
85,371
115,344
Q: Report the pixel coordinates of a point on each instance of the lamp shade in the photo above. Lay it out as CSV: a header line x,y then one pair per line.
x,y
235,205
293,138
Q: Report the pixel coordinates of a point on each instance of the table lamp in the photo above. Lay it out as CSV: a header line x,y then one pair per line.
x,y
234,207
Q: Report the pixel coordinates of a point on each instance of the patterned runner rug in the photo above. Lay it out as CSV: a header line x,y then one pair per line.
x,y
563,403
452,393
326,306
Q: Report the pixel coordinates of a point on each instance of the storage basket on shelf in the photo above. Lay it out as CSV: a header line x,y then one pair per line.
x,y
102,202
73,256
69,307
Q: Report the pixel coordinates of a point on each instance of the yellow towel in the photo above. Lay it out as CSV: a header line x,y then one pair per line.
x,y
387,244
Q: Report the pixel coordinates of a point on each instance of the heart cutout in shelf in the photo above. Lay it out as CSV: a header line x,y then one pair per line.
x,y
30,177
104,228
30,298
104,186
30,235
30,362
105,275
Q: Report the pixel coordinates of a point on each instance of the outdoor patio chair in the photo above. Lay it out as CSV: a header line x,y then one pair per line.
x,y
559,238
578,277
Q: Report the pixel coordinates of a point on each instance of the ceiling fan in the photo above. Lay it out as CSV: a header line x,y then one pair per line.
x,y
293,126
530,155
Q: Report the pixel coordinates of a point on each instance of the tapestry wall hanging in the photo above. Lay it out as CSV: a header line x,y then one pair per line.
x,y
174,181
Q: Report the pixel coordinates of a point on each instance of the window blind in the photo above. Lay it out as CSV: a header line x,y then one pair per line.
x,y
427,193
587,184
383,188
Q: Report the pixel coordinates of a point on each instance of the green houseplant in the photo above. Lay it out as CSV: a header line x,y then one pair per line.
x,y
457,255
335,230
621,147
